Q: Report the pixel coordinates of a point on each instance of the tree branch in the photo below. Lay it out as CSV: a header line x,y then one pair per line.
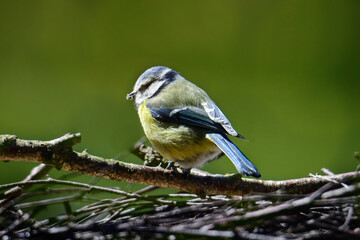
x,y
59,153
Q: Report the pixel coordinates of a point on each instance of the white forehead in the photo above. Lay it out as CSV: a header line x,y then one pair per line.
x,y
154,73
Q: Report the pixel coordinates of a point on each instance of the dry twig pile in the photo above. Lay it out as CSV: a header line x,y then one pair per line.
x,y
328,211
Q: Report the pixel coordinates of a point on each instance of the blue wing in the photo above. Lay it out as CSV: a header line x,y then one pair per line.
x,y
193,116
242,164
209,117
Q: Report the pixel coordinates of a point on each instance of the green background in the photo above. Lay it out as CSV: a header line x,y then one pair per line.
x,y
286,74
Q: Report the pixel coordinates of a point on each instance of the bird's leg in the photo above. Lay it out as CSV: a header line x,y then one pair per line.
x,y
186,171
171,166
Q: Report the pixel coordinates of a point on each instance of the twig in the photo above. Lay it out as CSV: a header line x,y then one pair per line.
x,y
15,224
84,185
243,234
292,204
59,153
47,201
348,218
341,191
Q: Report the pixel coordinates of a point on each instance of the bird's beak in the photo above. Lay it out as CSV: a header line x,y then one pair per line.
x,y
131,95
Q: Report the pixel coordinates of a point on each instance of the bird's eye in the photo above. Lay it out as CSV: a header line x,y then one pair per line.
x,y
145,86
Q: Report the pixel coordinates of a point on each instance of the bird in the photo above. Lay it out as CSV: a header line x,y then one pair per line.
x,y
182,122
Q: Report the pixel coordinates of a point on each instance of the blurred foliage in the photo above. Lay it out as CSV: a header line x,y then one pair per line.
x,y
286,73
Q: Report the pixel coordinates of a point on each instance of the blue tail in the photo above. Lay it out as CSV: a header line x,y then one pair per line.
x,y
242,164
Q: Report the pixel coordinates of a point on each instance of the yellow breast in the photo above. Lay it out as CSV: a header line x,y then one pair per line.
x,y
183,144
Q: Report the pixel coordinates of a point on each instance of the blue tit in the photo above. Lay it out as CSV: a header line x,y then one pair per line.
x,y
183,124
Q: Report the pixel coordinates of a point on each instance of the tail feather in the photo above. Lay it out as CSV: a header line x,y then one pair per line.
x,y
242,164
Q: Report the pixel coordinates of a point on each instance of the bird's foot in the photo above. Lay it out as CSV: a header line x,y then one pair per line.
x,y
177,169
171,166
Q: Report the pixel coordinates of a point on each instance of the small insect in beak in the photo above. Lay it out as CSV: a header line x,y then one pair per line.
x,y
130,96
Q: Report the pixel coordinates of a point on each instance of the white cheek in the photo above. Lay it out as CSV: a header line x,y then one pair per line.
x,y
139,98
148,93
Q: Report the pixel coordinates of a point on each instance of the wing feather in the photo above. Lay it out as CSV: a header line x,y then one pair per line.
x,y
219,117
192,116
241,162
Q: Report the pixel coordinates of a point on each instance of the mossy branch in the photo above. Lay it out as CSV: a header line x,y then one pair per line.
x,y
59,153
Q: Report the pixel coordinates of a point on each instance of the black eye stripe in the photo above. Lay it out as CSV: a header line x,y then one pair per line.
x,y
170,76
